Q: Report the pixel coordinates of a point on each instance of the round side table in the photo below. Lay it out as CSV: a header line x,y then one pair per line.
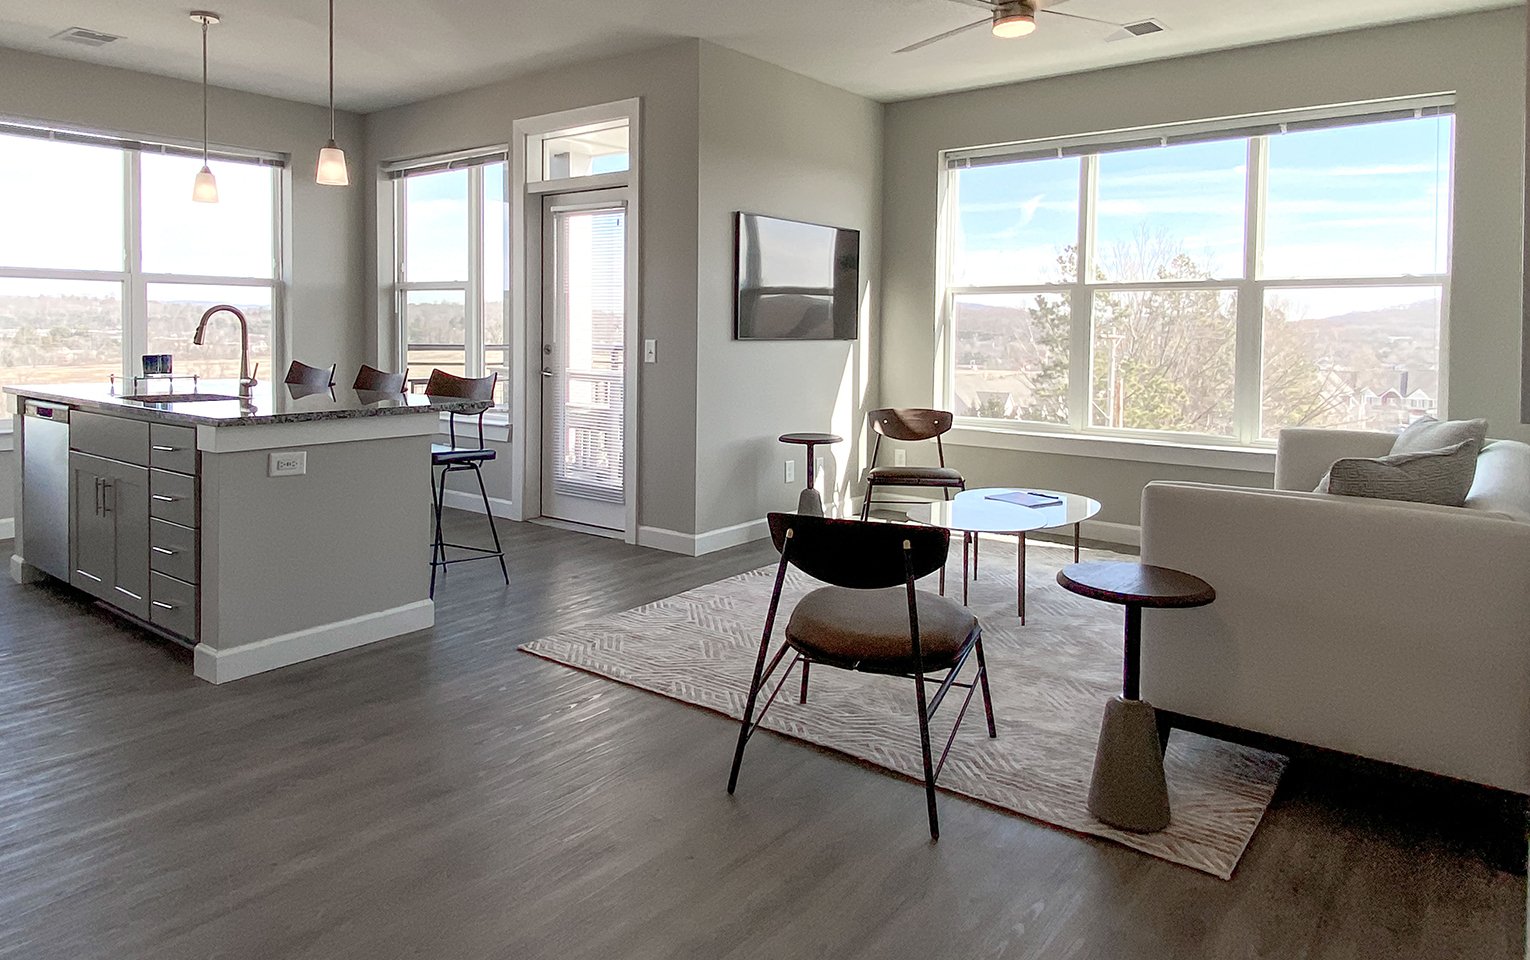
x,y
809,502
1128,789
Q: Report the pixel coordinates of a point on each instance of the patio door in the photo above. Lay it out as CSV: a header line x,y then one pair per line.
x,y
584,322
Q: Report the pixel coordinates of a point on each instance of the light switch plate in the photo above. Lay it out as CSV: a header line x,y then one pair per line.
x,y
288,463
791,471
900,458
650,351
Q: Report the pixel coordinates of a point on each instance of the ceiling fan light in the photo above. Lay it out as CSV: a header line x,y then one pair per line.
x,y
1010,26
205,187
332,172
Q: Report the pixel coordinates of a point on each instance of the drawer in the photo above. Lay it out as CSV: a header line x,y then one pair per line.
x,y
173,605
115,438
173,497
173,550
173,448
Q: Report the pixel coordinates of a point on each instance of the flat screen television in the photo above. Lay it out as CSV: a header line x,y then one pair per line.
x,y
795,280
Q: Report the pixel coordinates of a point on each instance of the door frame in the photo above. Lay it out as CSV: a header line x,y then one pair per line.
x,y
526,194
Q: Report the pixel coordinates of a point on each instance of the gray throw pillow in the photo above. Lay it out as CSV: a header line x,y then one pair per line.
x,y
1442,476
1427,433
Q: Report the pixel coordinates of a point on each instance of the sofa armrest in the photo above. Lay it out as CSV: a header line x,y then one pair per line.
x,y
1394,631
1304,454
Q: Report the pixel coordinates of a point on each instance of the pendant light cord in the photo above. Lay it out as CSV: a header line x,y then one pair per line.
x,y
331,71
204,90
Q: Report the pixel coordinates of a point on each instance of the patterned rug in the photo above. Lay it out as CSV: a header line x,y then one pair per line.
x,y
1050,681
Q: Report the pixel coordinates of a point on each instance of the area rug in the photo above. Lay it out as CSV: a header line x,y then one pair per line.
x,y
1050,680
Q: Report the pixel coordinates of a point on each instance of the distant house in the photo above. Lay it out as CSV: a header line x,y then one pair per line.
x,y
1391,399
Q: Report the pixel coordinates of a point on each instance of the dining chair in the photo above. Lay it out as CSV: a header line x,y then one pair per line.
x,y
910,424
454,459
379,381
871,619
301,374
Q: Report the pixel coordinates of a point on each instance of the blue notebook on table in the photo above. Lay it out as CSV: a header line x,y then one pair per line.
x,y
1026,498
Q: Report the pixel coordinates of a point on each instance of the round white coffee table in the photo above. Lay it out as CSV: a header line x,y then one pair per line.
x,y
974,512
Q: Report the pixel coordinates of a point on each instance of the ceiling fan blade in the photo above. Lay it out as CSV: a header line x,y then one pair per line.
x,y
1075,16
942,36
984,4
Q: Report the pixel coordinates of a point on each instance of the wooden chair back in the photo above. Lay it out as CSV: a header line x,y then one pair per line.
x,y
910,423
450,386
301,374
859,554
379,381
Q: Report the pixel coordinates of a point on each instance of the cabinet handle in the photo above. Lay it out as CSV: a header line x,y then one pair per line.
x,y
162,498
163,606
90,576
168,553
162,448
128,592
100,500
108,486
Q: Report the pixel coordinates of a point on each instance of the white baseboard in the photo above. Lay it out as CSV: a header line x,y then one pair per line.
x,y
465,500
710,541
1126,534
221,666
8,528
23,572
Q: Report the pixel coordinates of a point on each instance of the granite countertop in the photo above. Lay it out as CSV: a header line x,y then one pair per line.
x,y
271,403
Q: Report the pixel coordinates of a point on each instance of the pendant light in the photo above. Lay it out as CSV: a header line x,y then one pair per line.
x,y
205,189
332,172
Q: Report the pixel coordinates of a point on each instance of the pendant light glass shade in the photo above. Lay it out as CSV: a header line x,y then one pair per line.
x,y
332,172
205,190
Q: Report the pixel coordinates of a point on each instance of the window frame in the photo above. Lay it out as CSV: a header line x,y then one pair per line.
x,y
134,281
475,346
1250,288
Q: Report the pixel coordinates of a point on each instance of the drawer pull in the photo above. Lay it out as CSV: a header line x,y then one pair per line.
x,y
128,592
162,605
168,553
163,449
90,576
162,498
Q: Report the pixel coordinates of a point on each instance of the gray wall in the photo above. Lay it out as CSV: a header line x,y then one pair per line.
x,y
322,226
1480,57
777,143
666,80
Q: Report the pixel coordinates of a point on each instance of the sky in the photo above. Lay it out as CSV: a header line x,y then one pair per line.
x,y
1368,200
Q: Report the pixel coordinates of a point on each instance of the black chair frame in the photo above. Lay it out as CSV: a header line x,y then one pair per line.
x,y
881,429
808,544
458,460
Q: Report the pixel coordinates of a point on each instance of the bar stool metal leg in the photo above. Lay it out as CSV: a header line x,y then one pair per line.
x,y
488,511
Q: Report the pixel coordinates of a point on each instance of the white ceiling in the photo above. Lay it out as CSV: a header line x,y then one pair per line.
x,y
396,51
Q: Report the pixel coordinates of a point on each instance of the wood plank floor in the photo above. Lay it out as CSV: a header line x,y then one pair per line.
x,y
443,796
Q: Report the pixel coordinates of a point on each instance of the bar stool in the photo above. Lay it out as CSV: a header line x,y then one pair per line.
x,y
454,459
302,375
373,380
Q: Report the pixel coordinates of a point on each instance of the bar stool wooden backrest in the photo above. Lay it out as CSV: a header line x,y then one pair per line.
x,y
301,374
450,386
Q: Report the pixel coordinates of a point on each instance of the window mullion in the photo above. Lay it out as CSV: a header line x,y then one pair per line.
x,y
1081,303
1248,361
135,332
473,339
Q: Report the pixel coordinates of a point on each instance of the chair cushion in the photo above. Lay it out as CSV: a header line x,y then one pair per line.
x,y
916,476
1441,476
441,453
1427,433
868,629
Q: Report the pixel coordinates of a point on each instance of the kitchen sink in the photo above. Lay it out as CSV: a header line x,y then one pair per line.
x,y
177,397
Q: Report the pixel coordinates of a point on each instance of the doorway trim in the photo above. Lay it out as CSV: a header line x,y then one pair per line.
x,y
526,307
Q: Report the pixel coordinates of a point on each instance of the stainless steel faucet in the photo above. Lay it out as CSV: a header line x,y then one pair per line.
x,y
246,380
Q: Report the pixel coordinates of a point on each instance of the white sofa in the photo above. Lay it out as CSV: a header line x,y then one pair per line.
x,y
1396,631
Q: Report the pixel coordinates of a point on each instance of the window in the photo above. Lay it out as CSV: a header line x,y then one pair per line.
x,y
585,151
1203,284
83,296
452,221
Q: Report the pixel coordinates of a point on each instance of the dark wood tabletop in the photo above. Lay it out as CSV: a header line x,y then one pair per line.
x,y
1136,584
810,438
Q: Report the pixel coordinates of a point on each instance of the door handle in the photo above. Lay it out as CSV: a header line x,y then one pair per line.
x,y
107,487
547,372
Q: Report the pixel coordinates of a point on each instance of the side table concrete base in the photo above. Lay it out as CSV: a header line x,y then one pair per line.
x,y
1128,789
809,504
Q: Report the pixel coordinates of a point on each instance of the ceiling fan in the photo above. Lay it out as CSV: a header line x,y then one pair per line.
x,y
1008,19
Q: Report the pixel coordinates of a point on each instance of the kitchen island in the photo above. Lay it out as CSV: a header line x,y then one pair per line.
x,y
260,531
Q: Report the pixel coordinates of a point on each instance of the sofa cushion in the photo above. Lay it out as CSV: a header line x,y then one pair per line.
x,y
1502,485
1427,433
1442,476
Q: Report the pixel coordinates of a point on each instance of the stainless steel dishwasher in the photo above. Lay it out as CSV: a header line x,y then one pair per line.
x,y
45,487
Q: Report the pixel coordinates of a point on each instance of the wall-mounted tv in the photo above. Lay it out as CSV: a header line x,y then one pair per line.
x,y
795,280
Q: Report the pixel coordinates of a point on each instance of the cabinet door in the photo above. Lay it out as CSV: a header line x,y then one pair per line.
x,y
92,542
127,507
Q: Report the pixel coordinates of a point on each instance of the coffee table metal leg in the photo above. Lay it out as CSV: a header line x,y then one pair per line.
x,y
1020,577
977,538
966,541
1075,540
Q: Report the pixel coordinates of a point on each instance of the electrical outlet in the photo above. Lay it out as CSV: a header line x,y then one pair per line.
x,y
650,351
900,458
289,463
791,471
